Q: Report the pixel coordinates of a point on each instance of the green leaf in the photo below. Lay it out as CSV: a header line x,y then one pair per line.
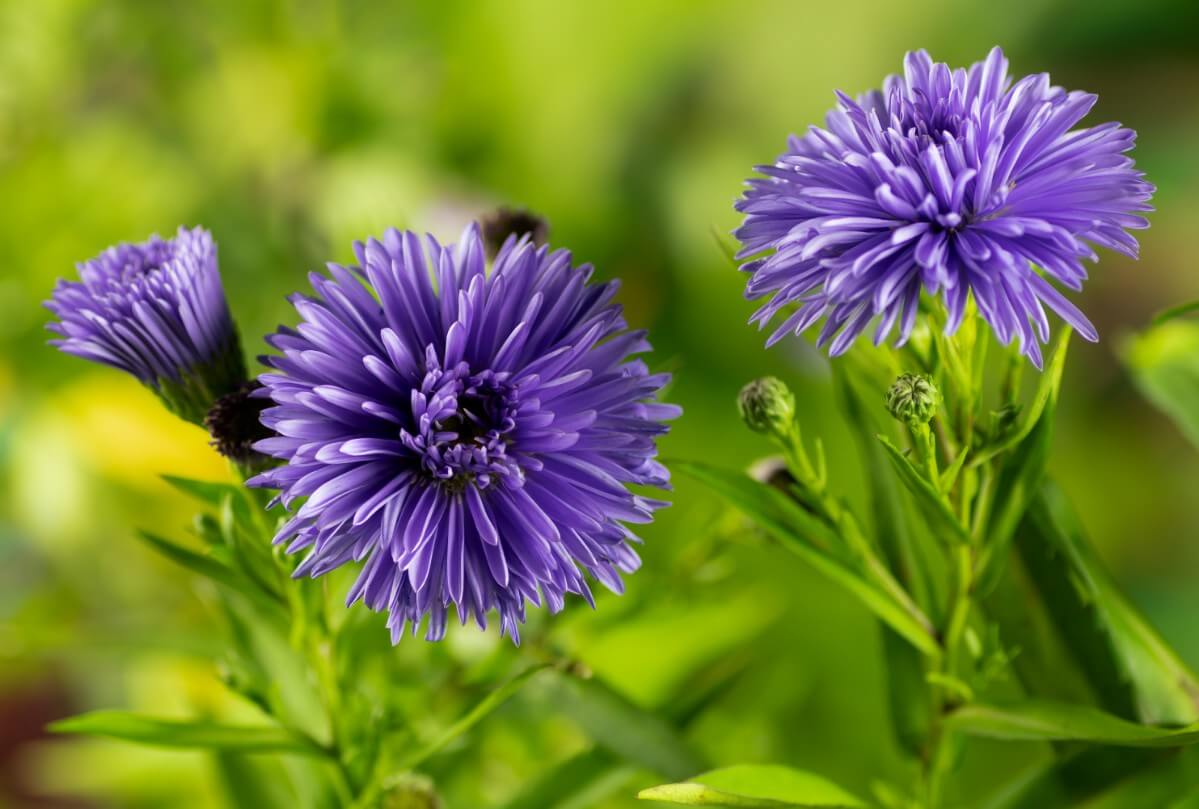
x,y
586,779
188,734
930,500
581,781
1047,390
908,550
1075,583
807,537
1042,720
216,571
1082,776
1017,485
1165,367
209,492
247,782
756,786
610,720
472,717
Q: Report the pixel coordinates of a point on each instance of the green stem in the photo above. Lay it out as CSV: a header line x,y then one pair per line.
x,y
940,758
842,520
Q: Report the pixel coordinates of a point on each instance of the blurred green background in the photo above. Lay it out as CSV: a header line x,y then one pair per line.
x,y
291,130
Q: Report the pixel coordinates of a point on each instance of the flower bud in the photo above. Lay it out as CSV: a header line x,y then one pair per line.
x,y
767,406
411,791
156,310
913,399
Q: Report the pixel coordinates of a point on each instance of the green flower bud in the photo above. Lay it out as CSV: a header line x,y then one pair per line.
x,y
411,791
913,399
767,406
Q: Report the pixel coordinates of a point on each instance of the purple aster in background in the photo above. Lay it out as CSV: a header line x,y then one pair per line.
x,y
955,181
470,434
156,310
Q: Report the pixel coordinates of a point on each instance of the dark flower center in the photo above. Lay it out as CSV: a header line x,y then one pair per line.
x,y
464,427
233,422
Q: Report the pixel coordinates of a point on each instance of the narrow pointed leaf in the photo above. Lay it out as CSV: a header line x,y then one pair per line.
x,y
1114,641
1047,390
215,570
803,534
1064,722
756,786
189,734
930,500
210,492
472,717
637,735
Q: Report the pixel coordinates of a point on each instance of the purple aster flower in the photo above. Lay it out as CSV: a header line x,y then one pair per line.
x,y
158,311
471,435
957,181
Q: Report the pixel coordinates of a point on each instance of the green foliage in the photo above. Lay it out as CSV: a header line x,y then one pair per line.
x,y
814,542
613,722
192,734
1164,361
1125,659
1060,721
750,785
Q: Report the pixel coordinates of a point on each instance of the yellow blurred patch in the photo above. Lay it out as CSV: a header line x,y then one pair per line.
x,y
126,434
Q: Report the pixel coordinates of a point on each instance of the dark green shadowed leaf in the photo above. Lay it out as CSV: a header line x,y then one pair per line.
x,y
472,717
611,721
188,734
585,779
1076,777
247,782
806,536
1034,720
1114,645
756,786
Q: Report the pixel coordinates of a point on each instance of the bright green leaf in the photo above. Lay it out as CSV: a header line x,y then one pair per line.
x,y
1034,720
1165,366
189,734
756,786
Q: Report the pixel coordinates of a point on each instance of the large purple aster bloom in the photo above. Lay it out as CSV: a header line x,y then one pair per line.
x,y
955,181
158,311
469,434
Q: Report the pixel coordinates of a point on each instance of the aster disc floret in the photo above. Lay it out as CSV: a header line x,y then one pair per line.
x,y
470,434
958,182
156,310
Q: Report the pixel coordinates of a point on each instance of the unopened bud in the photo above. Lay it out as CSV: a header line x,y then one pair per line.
x,y
411,791
913,399
767,406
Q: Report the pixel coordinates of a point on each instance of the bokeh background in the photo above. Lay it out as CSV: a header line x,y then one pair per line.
x,y
292,129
